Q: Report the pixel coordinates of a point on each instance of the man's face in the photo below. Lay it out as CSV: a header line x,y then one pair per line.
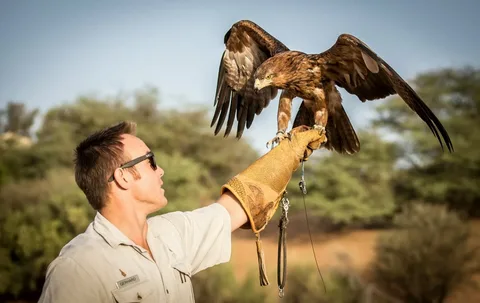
x,y
148,187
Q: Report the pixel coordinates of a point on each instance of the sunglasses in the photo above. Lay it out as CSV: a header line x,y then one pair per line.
x,y
150,156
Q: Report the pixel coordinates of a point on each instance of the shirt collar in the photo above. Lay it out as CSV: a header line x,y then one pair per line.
x,y
110,233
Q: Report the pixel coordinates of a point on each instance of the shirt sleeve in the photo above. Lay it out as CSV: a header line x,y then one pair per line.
x,y
204,235
67,281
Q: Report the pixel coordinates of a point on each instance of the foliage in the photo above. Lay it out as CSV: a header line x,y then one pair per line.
x,y
427,256
430,175
22,163
304,284
42,208
187,133
218,285
344,286
39,217
16,119
184,133
350,188
187,183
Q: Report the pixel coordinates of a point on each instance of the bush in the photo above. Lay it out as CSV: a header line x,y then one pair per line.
x,y
218,285
342,283
427,256
303,284
38,218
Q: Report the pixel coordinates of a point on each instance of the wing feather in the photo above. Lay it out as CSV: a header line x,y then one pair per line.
x,y
352,65
223,114
247,46
231,116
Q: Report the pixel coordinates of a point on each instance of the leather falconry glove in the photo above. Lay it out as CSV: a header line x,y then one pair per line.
x,y
261,186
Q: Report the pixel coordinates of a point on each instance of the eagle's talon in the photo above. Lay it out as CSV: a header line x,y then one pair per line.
x,y
278,137
319,128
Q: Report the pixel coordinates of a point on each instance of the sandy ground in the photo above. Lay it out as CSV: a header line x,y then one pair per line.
x,y
357,245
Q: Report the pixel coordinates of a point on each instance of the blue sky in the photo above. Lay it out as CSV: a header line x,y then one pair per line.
x,y
53,51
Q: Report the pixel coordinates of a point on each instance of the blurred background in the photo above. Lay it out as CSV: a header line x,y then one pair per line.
x,y
397,222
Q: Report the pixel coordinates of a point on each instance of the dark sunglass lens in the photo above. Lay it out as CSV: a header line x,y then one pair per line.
x,y
153,163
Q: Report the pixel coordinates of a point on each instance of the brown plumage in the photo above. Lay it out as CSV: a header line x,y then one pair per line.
x,y
255,65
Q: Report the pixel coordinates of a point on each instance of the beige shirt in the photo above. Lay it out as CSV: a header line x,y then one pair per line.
x,y
103,265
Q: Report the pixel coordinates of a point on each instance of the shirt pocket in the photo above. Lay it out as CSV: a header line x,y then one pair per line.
x,y
141,292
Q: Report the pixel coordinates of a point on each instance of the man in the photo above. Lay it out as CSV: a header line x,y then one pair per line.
x,y
125,257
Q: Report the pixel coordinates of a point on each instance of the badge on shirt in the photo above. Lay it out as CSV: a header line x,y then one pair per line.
x,y
128,281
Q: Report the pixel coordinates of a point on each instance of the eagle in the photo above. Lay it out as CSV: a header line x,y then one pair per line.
x,y
255,65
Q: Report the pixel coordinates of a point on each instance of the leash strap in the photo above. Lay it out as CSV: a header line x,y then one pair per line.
x,y
302,184
282,247
282,237
303,188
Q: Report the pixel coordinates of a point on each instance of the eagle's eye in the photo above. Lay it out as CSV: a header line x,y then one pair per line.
x,y
270,76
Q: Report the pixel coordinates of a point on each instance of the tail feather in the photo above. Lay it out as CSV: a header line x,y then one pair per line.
x,y
304,116
341,136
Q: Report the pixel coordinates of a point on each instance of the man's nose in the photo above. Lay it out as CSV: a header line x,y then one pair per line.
x,y
160,171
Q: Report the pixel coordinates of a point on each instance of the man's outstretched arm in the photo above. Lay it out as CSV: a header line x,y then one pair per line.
x,y
248,199
238,217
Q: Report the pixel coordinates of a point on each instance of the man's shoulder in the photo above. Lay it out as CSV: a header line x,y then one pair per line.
x,y
168,223
85,246
79,263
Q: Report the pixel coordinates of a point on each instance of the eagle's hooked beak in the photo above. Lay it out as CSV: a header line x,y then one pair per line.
x,y
259,84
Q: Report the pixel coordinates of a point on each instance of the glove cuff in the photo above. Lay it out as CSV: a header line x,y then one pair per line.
x,y
259,202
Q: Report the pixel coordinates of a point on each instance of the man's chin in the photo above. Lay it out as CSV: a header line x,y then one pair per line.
x,y
158,205
162,203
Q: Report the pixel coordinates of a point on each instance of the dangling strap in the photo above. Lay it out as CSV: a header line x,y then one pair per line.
x,y
261,262
282,247
303,187
302,184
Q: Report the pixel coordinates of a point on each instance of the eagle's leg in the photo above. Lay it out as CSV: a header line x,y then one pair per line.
x,y
320,111
283,117
321,118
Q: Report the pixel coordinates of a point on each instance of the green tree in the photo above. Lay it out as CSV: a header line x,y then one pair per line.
x,y
183,132
218,285
187,183
17,119
38,217
430,175
22,163
349,188
17,161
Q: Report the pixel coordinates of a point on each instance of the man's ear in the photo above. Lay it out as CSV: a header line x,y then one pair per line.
x,y
123,178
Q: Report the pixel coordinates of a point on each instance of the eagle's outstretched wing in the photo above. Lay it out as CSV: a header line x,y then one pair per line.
x,y
351,64
247,46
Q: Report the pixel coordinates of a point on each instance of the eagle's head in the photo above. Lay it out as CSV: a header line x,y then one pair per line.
x,y
264,79
275,71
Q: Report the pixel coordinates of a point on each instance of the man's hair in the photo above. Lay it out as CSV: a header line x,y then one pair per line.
x,y
96,159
